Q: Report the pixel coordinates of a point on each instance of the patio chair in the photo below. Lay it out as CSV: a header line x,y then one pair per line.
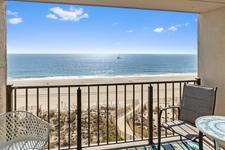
x,y
21,130
196,101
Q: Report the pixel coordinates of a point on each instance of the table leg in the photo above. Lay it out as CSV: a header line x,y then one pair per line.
x,y
217,145
200,140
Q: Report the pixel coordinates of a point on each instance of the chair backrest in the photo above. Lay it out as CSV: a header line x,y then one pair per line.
x,y
197,101
23,130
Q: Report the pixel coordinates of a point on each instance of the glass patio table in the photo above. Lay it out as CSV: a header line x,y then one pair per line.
x,y
213,127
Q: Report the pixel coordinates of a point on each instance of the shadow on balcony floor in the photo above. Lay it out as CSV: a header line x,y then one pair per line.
x,y
170,143
184,145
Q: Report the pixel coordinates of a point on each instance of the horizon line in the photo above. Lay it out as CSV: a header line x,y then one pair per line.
x,y
107,53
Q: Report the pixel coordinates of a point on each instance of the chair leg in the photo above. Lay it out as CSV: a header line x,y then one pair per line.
x,y
159,137
200,140
181,138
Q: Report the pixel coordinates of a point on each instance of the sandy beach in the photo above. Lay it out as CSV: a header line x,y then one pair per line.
x,y
95,80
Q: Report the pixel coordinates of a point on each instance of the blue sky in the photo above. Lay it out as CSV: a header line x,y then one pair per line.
x,y
55,28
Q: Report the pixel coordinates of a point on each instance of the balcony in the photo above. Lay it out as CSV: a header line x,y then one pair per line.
x,y
100,116
100,127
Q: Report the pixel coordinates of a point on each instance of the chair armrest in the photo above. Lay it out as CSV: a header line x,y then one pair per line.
x,y
169,107
161,110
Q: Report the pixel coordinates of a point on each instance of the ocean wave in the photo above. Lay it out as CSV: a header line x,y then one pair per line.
x,y
102,76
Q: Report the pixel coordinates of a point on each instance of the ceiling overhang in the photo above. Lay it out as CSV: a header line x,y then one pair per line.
x,y
196,6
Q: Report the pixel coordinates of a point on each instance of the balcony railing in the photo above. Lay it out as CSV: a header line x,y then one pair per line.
x,y
99,114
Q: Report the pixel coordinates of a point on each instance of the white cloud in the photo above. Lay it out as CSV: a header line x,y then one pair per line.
x,y
67,15
172,28
130,31
159,29
51,16
15,20
12,13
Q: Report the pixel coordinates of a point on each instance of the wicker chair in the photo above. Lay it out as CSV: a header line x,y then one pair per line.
x,y
21,130
196,101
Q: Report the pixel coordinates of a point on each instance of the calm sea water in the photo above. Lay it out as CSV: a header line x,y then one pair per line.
x,y
89,65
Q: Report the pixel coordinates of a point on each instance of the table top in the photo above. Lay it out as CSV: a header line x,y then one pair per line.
x,y
213,126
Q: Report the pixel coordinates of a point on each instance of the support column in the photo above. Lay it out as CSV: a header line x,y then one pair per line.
x,y
211,53
3,56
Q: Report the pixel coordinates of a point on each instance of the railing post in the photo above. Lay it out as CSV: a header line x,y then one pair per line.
x,y
8,108
198,81
150,114
9,98
79,121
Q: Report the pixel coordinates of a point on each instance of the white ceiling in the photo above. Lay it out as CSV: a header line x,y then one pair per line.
x,y
197,6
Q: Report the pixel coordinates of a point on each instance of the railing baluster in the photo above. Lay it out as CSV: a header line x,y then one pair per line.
x,y
125,112
59,125
173,103
150,114
15,99
89,135
107,113
173,100
48,99
166,106
37,101
116,114
133,112
79,120
142,113
69,116
98,115
180,89
26,97
158,103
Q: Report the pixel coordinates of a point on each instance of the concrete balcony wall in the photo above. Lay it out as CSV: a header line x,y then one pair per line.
x,y
211,53
3,64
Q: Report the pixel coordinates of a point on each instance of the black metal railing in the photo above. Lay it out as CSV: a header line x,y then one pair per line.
x,y
99,114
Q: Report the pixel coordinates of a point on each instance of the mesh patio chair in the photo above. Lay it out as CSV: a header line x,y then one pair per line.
x,y
196,101
21,130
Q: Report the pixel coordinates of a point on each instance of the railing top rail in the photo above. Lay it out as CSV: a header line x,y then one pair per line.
x,y
102,84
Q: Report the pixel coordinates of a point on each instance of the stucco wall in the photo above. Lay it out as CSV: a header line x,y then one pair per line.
x,y
2,57
170,5
211,55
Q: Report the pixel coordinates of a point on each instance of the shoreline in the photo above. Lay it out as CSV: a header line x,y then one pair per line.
x,y
74,80
102,76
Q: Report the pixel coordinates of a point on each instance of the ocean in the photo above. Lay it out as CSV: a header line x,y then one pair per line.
x,y
22,66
